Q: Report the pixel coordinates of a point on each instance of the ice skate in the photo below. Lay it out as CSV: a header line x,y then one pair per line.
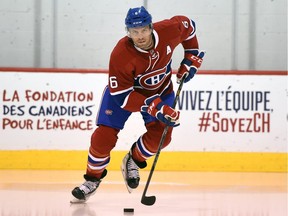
x,y
82,193
130,171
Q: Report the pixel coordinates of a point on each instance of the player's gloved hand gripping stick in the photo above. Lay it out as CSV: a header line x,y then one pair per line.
x,y
150,200
164,113
190,64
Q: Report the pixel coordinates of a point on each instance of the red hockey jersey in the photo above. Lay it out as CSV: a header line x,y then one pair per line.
x,y
135,74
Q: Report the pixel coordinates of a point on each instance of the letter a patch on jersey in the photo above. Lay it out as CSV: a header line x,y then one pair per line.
x,y
168,50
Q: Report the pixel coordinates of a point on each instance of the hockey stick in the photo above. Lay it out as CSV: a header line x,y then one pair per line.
x,y
150,200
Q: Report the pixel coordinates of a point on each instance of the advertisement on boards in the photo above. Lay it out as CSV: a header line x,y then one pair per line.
x,y
218,113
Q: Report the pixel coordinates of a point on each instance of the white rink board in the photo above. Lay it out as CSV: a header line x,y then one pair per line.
x,y
247,113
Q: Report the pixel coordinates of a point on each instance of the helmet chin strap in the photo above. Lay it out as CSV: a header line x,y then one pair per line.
x,y
127,31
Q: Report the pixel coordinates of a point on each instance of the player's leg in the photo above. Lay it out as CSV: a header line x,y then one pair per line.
x,y
110,119
145,147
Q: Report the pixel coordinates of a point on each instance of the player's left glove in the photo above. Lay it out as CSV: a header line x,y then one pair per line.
x,y
156,108
190,64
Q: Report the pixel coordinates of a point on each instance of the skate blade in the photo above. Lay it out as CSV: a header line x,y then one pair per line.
x,y
77,201
124,177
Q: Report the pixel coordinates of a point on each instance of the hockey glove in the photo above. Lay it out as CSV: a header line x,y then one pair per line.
x,y
190,64
156,108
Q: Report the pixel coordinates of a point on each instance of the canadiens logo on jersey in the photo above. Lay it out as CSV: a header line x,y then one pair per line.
x,y
153,79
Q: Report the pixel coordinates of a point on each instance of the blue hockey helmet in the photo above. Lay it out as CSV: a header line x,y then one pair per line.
x,y
138,17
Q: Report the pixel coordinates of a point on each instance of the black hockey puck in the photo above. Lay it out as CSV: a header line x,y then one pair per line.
x,y
128,210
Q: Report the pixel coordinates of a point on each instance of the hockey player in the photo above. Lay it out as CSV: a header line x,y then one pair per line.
x,y
139,81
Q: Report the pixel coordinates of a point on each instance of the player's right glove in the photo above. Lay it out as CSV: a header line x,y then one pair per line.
x,y
156,108
190,64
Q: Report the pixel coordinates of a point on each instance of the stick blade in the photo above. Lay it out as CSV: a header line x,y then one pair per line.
x,y
148,200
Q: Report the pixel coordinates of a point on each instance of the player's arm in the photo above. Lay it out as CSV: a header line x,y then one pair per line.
x,y
129,100
121,79
133,101
122,91
193,57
